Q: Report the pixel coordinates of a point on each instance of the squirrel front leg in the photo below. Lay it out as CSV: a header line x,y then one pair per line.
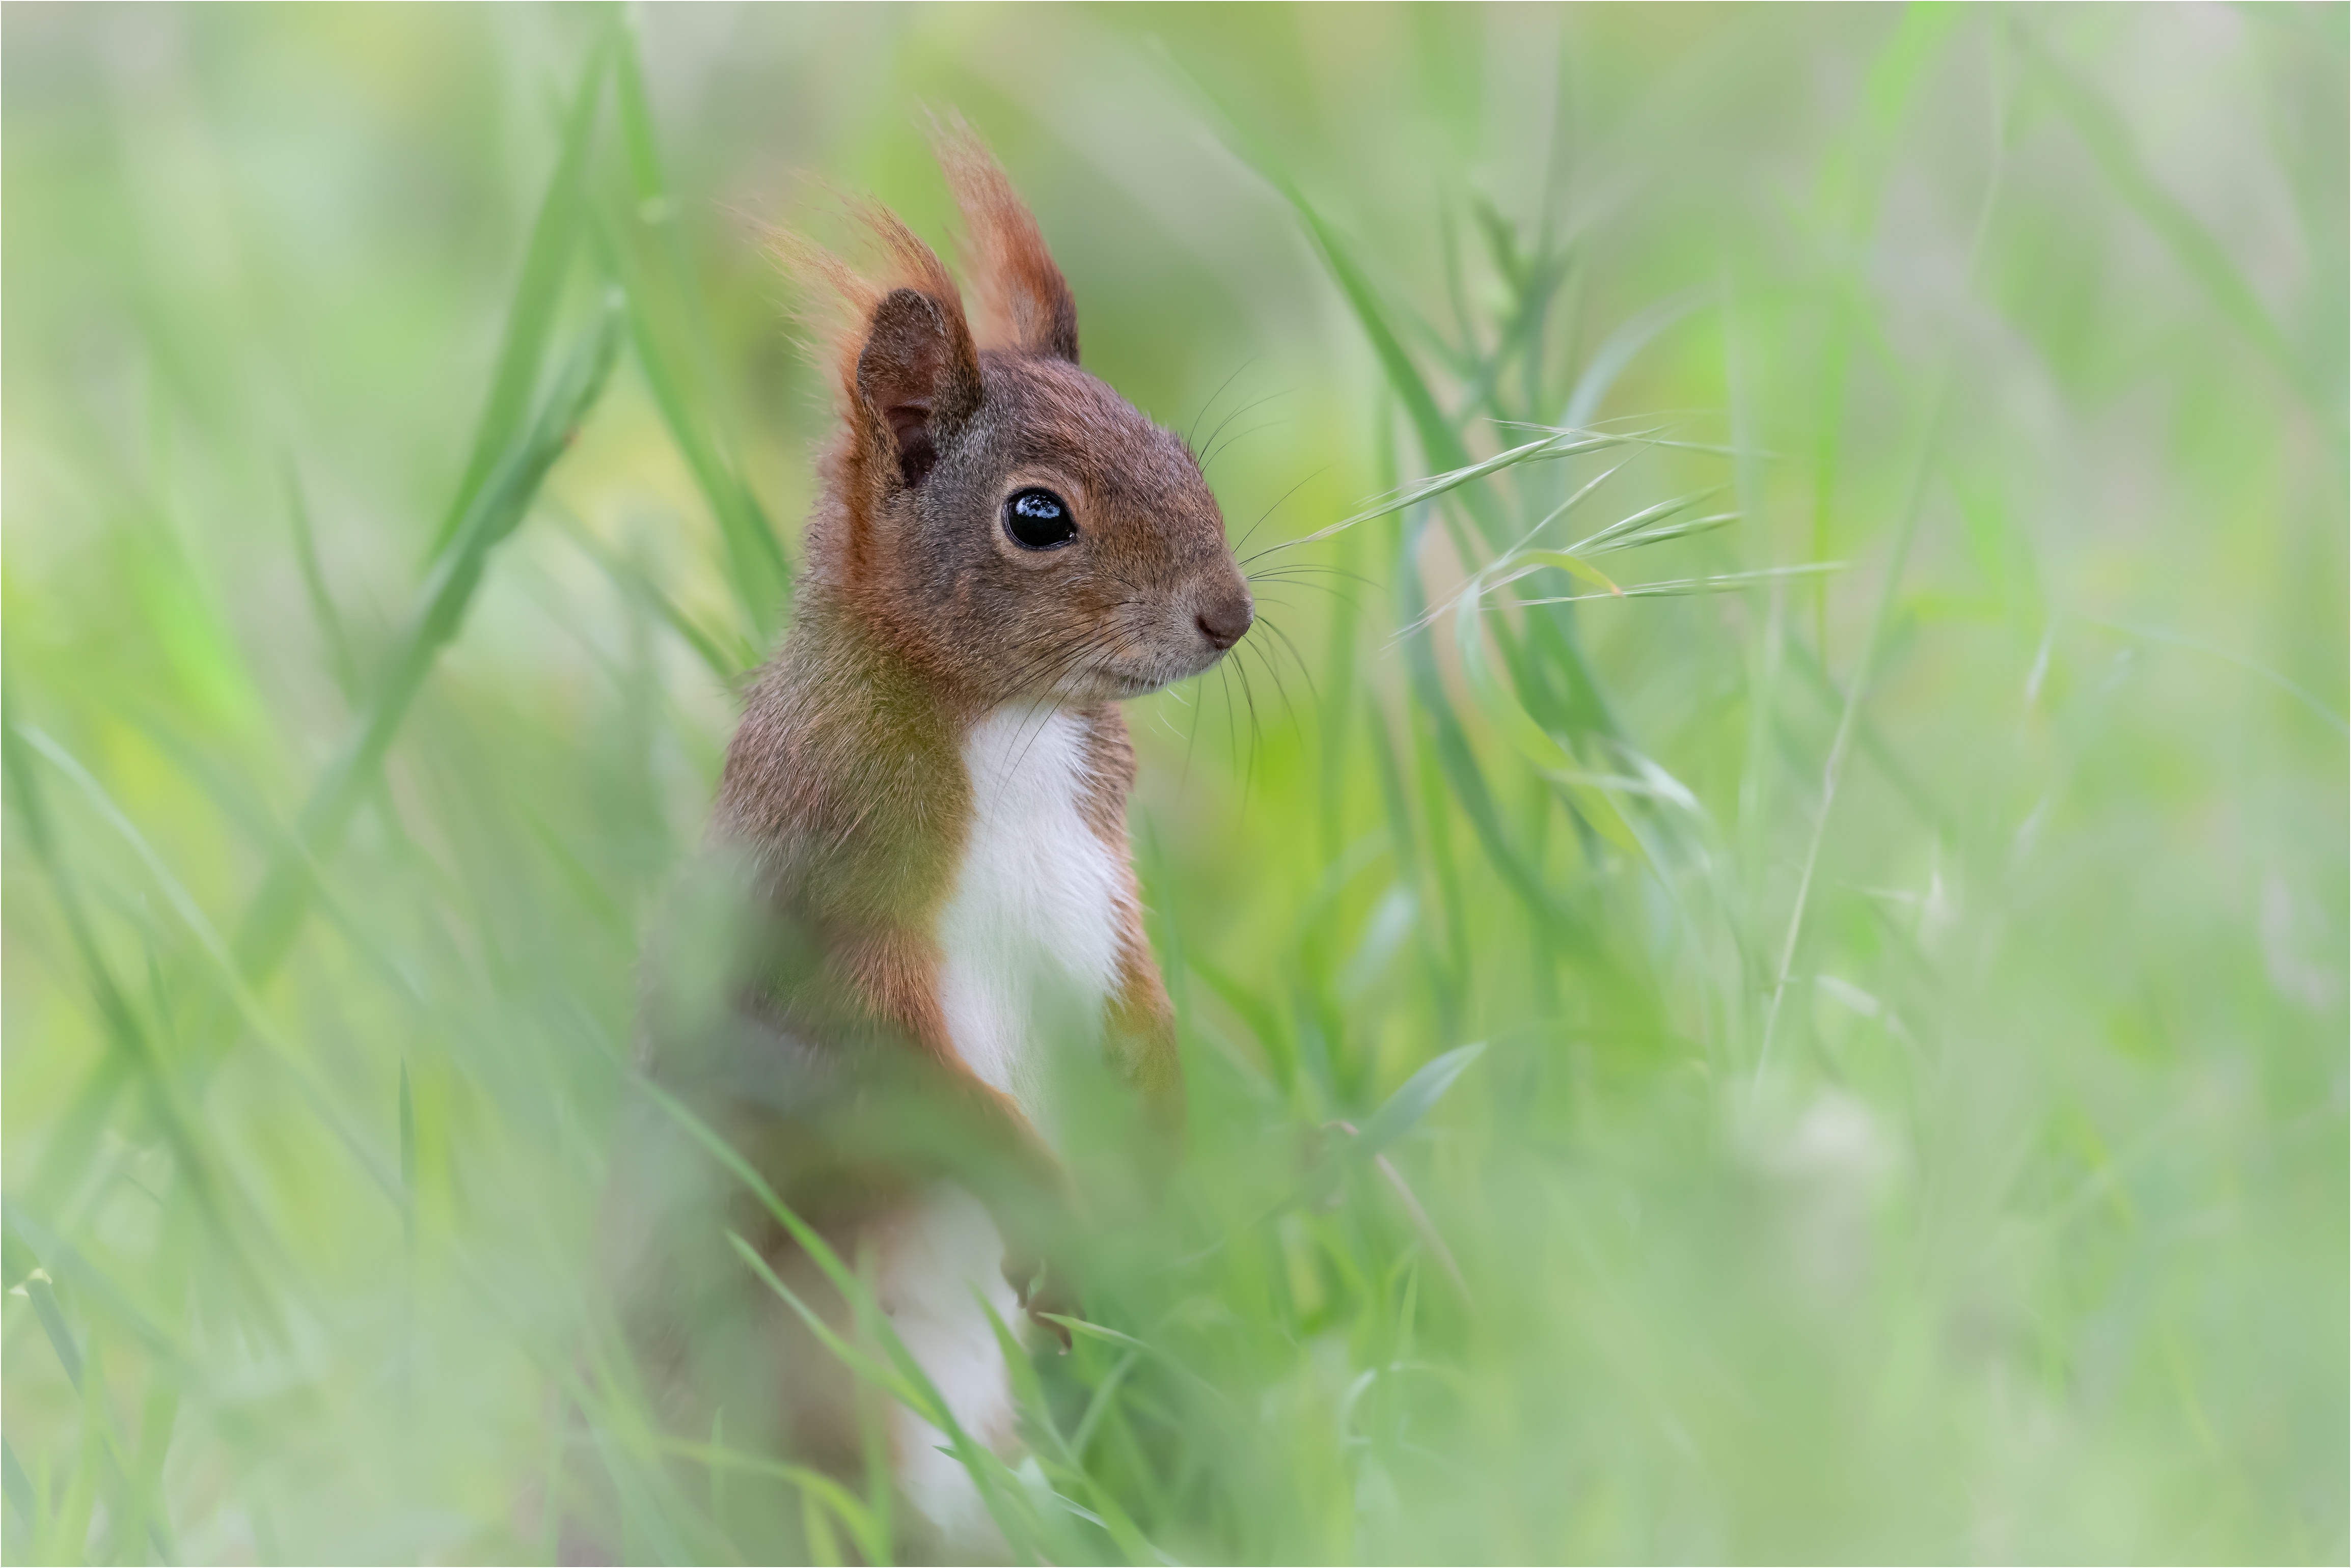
x,y
1020,1179
1142,1024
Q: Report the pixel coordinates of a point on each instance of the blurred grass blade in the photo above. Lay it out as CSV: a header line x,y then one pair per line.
x,y
2190,243
495,510
672,346
1064,1455
1545,750
158,1420
16,1260
823,1489
1413,1099
522,350
904,1376
407,1163
1865,672
95,1292
1623,347
18,1487
248,1008
1458,763
127,1035
53,1324
1676,587
878,1372
1439,443
339,661
729,661
1533,560
2300,694
1688,527
1614,536
103,1447
1566,443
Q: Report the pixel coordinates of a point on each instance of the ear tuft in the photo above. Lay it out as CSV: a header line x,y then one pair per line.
x,y
909,373
1028,301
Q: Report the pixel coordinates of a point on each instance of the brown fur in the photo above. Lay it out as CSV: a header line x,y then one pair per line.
x,y
1027,300
844,791
1142,1023
916,616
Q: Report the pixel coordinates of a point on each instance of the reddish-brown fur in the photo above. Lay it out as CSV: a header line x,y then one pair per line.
x,y
843,780
844,791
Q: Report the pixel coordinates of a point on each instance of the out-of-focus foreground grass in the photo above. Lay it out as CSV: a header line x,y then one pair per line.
x,y
1908,955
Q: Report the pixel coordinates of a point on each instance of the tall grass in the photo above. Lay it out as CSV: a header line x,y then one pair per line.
x,y
1759,933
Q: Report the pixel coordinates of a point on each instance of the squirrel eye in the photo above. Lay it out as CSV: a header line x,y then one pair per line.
x,y
1039,519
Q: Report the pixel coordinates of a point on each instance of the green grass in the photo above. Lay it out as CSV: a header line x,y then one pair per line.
x,y
1821,892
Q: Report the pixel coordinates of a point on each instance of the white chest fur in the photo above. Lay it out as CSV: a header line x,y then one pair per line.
x,y
1029,938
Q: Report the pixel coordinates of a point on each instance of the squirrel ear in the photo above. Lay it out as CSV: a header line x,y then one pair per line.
x,y
919,374
1026,296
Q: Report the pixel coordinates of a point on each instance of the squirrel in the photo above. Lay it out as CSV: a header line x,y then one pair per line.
x,y
926,798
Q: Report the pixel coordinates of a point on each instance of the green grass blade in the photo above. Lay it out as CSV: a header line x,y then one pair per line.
x,y
530,318
2300,694
495,510
673,348
127,1036
283,1055
1545,751
1621,347
904,1376
53,1326
339,661
18,1488
729,658
1565,443
2200,255
825,1490
1455,758
1439,442
1833,770
1615,535
1414,1099
1678,587
97,1292
407,1163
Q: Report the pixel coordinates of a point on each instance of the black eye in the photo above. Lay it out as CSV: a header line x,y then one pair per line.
x,y
1039,519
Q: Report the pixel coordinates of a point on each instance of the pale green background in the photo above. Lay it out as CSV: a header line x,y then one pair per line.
x,y
2027,1242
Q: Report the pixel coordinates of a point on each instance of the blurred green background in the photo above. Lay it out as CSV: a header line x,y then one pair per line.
x,y
1907,949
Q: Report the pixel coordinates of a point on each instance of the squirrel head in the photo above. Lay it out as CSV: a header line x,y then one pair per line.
x,y
1004,520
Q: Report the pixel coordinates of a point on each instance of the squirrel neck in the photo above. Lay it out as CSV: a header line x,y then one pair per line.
x,y
862,654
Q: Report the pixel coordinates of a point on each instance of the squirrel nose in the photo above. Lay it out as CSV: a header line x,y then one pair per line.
x,y
1224,622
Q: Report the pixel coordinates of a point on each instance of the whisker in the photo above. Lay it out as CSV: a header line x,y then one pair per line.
x,y
1256,736
1191,745
1302,568
1277,507
1341,594
1271,597
1193,429
1225,684
1237,437
1306,674
1245,408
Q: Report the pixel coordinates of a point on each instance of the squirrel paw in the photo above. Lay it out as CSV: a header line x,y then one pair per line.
x,y
1042,1289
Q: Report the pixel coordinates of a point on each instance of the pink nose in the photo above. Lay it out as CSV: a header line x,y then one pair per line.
x,y
1224,622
